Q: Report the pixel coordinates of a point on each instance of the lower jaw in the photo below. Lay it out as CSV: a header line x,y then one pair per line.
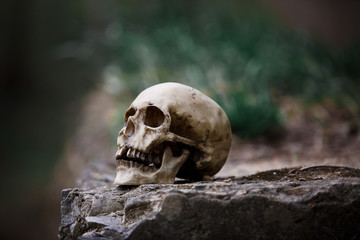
x,y
134,177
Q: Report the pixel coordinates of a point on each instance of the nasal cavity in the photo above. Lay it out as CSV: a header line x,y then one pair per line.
x,y
130,128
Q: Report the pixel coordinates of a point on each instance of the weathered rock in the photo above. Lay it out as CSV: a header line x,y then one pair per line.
x,y
285,208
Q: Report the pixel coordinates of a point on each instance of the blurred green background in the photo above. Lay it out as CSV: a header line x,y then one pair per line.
x,y
244,54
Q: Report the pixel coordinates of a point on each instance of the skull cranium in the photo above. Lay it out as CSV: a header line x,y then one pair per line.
x,y
171,130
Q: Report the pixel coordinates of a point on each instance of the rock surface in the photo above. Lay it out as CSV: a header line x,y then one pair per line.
x,y
309,203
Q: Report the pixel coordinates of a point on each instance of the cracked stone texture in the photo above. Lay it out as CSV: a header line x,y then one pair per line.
x,y
289,205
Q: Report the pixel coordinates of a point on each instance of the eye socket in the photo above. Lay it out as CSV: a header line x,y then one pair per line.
x,y
130,112
154,117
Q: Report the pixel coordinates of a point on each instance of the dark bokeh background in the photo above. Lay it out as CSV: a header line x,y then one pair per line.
x,y
56,56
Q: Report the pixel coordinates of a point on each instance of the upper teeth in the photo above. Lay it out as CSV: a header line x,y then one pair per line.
x,y
130,153
120,152
123,152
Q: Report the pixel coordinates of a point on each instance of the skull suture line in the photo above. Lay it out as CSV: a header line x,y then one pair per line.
x,y
171,130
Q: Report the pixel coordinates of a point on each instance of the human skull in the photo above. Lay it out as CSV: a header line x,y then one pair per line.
x,y
171,130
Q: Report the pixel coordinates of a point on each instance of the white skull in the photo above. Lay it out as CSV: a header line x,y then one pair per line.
x,y
171,130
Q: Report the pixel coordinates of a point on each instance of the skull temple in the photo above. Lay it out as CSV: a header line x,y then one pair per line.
x,y
171,130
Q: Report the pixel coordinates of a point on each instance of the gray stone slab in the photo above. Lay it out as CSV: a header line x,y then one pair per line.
x,y
219,209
